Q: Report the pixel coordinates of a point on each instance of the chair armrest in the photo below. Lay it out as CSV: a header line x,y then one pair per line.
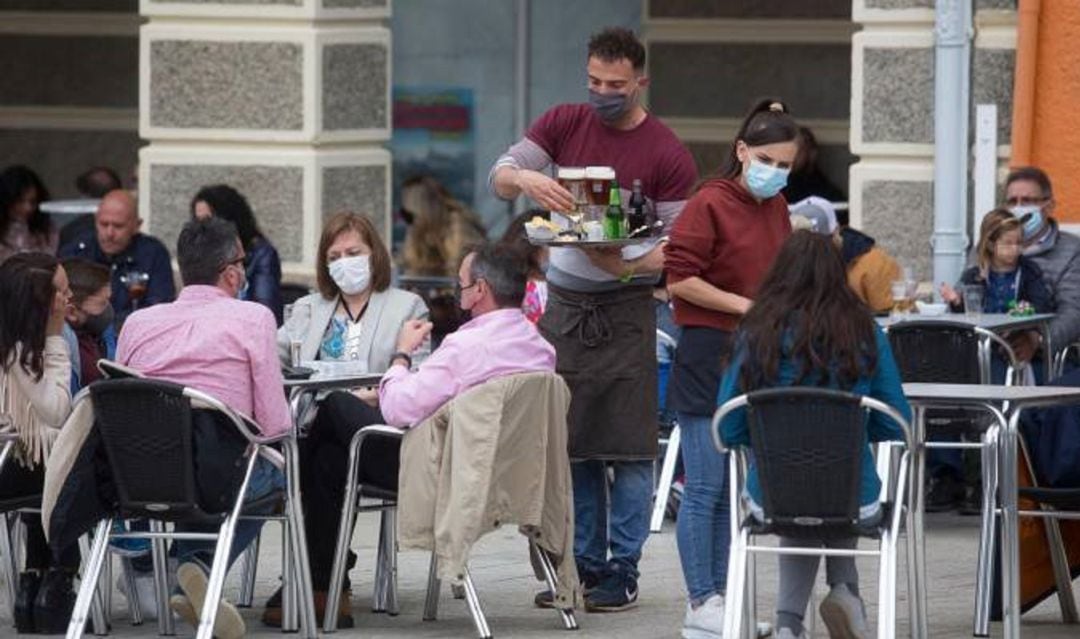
x,y
722,412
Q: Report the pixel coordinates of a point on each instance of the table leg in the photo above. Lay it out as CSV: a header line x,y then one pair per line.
x,y
1010,533
916,528
1048,352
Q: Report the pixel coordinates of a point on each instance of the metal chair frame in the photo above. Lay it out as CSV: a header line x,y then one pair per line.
x,y
385,596
1059,558
11,541
671,456
296,548
739,611
988,448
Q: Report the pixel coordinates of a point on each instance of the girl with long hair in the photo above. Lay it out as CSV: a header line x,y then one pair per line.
x,y
807,327
35,399
721,245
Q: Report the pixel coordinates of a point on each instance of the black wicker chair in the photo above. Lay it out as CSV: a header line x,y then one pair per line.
x,y
146,432
808,446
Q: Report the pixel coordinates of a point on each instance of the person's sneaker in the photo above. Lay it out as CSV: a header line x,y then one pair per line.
x,y
618,591
227,625
589,580
944,494
788,633
844,614
127,547
706,621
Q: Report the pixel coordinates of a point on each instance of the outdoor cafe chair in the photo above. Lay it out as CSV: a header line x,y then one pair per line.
x,y
944,352
11,512
1051,505
808,446
146,431
670,444
368,443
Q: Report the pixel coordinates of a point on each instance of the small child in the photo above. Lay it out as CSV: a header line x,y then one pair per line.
x,y
1007,276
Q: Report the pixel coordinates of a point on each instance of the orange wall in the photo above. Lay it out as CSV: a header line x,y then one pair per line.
x,y
1055,141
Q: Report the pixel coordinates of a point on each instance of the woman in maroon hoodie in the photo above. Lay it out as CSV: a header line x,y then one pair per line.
x,y
720,248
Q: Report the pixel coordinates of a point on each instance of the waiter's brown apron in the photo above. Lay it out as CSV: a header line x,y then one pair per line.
x,y
605,347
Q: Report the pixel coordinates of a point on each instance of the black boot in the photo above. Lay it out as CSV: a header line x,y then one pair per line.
x,y
29,583
55,600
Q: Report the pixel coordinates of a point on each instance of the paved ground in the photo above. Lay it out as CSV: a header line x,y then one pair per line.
x,y
502,575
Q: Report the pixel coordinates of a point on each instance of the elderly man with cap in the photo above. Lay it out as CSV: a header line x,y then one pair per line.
x,y
870,269
140,264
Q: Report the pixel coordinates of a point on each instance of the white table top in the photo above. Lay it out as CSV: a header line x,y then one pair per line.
x,y
324,382
989,321
1017,396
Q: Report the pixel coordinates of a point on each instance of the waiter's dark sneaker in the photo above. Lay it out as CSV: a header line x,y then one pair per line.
x,y
618,591
589,580
945,494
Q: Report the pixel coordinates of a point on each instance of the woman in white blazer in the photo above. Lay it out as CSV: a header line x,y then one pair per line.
x,y
354,315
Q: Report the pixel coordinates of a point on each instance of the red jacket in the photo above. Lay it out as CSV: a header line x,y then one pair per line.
x,y
727,238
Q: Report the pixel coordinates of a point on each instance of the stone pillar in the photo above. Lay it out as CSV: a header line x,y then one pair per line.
x,y
286,100
892,115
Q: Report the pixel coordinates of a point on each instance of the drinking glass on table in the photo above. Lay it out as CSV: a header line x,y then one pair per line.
x,y
900,299
137,283
973,300
297,319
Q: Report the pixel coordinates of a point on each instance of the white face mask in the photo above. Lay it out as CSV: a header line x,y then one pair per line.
x,y
351,274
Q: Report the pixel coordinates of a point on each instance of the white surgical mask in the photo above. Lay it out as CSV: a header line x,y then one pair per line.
x,y
351,274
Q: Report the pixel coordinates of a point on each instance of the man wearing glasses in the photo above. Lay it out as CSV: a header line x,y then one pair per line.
x,y
1029,196
211,341
497,340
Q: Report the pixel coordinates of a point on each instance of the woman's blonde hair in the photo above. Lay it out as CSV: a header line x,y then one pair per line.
x,y
995,224
442,231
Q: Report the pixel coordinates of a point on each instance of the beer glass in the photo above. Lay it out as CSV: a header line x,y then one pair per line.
x,y
137,283
598,181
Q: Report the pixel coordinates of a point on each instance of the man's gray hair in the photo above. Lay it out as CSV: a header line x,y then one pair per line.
x,y
204,248
504,270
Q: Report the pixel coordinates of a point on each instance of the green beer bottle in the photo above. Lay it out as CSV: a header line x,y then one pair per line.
x,y
614,219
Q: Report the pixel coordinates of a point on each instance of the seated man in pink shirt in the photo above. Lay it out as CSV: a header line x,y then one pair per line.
x,y
211,341
498,340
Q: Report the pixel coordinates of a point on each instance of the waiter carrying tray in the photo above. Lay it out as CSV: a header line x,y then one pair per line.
x,y
599,312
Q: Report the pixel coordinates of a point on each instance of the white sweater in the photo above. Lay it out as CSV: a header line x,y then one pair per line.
x,y
36,409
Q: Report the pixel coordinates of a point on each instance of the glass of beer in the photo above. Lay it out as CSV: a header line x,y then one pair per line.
x,y
901,302
598,181
137,283
572,178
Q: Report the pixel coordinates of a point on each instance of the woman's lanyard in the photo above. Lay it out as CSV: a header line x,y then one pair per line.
x,y
348,313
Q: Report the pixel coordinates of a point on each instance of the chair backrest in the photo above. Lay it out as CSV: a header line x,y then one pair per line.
x,y
937,352
146,430
808,445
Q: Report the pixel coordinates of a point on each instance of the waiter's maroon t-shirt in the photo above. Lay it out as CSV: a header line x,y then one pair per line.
x,y
573,135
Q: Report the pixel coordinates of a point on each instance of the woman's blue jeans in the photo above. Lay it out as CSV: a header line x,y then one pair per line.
x,y
702,529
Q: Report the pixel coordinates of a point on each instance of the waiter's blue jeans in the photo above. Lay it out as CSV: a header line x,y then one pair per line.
x,y
615,518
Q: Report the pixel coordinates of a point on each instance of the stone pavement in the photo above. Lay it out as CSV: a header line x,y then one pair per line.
x,y
505,583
